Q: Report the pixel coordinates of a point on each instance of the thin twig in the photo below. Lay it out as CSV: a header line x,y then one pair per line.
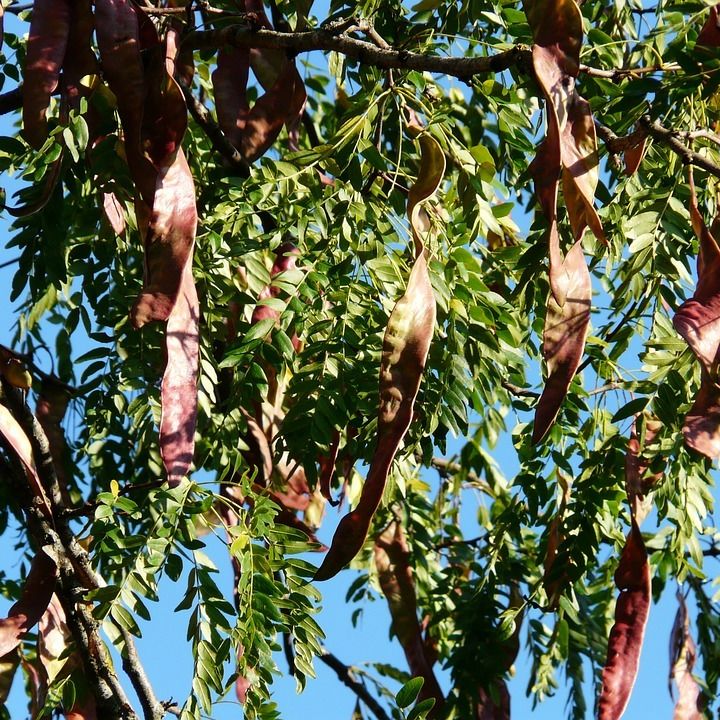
x,y
670,138
446,468
620,73
217,137
8,263
152,709
519,391
345,676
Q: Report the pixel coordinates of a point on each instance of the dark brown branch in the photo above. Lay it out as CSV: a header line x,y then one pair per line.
x,y
11,100
463,68
345,676
652,128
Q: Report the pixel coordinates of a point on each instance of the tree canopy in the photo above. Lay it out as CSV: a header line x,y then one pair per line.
x,y
309,279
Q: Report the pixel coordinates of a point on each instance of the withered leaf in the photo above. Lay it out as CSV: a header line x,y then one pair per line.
x,y
632,578
36,594
682,660
47,41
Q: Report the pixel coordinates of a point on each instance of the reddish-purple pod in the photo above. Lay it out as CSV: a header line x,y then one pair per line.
x,y
47,41
632,578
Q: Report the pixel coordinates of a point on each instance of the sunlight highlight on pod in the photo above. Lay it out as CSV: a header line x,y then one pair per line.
x,y
405,349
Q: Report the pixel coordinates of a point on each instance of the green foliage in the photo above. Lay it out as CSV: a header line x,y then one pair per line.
x,y
336,187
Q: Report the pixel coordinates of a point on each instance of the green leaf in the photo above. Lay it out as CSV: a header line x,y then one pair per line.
x,y
408,693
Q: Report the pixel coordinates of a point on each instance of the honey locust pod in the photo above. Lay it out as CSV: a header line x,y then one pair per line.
x,y
405,349
569,151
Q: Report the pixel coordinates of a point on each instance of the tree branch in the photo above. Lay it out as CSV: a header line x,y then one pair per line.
x,y
670,138
446,468
152,709
217,137
76,575
345,676
325,39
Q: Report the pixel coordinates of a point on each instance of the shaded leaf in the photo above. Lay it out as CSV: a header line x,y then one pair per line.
x,y
408,693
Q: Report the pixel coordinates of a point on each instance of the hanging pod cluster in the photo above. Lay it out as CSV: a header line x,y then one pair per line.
x,y
569,152
140,66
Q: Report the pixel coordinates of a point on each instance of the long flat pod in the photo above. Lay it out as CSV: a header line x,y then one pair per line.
x,y
395,575
682,661
17,439
80,59
118,37
36,594
698,322
632,578
405,349
49,29
570,150
179,383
